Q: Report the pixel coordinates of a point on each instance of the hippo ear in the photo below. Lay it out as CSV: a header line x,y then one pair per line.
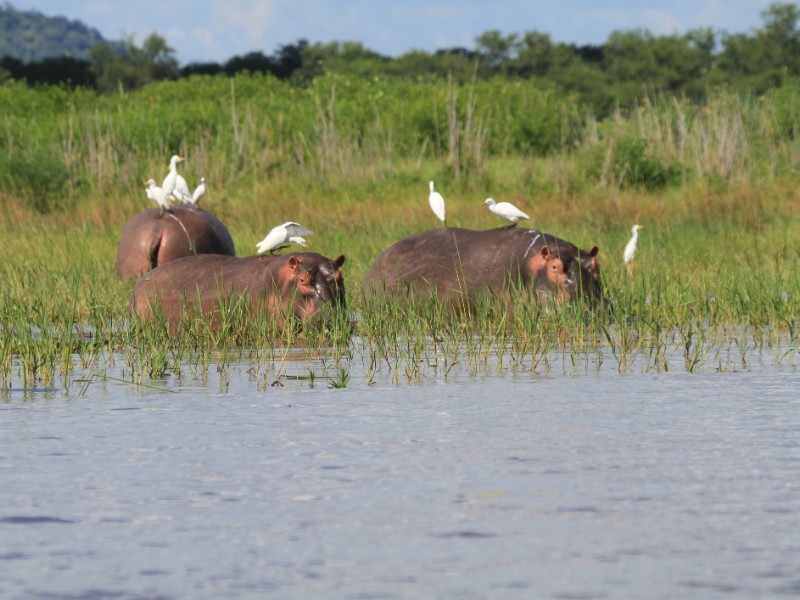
x,y
293,262
545,252
338,261
593,252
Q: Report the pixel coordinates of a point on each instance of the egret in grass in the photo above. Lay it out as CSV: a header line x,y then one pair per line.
x,y
199,192
506,210
283,235
630,247
158,195
174,184
437,205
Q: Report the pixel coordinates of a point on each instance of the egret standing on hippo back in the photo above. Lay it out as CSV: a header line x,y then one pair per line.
x,y
507,211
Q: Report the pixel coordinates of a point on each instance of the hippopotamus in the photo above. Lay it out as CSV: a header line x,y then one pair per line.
x,y
297,284
458,264
149,240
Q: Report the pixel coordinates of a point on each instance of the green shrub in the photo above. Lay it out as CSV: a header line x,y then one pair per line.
x,y
39,178
631,165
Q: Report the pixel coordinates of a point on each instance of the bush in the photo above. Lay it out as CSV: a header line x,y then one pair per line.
x,y
630,165
39,178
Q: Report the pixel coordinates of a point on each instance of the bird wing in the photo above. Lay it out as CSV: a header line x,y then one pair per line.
x,y
277,236
156,193
169,182
630,250
511,210
199,192
181,191
295,229
437,205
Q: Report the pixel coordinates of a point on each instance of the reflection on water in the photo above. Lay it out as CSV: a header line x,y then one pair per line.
x,y
488,478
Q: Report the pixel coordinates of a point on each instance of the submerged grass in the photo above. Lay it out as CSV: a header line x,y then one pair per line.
x,y
700,285
715,278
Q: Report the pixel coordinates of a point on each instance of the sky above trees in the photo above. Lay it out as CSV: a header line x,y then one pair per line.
x,y
216,30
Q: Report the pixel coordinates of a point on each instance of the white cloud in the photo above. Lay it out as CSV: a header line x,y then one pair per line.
x,y
246,21
660,23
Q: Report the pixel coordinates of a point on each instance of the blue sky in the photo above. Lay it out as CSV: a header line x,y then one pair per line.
x,y
216,30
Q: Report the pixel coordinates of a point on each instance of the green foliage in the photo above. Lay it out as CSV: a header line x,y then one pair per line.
x,y
37,176
631,165
618,74
786,103
119,72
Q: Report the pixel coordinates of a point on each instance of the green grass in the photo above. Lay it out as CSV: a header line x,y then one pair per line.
x,y
714,187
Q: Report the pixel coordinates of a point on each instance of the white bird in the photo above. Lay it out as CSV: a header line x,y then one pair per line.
x,y
437,205
174,184
181,192
630,247
288,233
506,210
199,192
157,194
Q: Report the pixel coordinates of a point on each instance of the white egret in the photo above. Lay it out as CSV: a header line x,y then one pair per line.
x,y
199,192
174,184
437,205
630,247
157,194
506,210
288,233
181,192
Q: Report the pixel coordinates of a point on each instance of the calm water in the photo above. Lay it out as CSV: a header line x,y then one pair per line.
x,y
496,485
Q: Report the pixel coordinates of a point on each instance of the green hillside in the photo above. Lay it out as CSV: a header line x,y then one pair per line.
x,y
32,36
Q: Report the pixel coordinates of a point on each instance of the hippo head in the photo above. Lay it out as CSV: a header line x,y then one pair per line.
x,y
549,271
317,281
564,271
588,272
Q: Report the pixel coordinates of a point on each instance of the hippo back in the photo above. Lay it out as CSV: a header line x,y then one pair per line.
x,y
148,240
459,263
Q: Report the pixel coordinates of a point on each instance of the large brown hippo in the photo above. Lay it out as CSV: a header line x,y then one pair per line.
x,y
296,284
461,263
149,240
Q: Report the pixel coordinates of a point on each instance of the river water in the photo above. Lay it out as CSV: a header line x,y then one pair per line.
x,y
497,484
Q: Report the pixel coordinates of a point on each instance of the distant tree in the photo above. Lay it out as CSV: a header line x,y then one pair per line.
x,y
206,68
288,59
72,72
495,48
535,55
780,37
116,71
252,62
339,57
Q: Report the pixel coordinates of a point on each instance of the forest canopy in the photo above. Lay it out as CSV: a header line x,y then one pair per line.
x,y
631,64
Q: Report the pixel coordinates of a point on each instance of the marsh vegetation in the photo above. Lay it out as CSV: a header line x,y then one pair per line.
x,y
713,183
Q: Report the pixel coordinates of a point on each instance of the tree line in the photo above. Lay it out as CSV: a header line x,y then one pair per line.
x,y
617,73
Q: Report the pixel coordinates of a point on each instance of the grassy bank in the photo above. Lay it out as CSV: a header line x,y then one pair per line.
x,y
714,186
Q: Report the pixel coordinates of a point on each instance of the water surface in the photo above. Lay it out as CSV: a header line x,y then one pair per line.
x,y
503,484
